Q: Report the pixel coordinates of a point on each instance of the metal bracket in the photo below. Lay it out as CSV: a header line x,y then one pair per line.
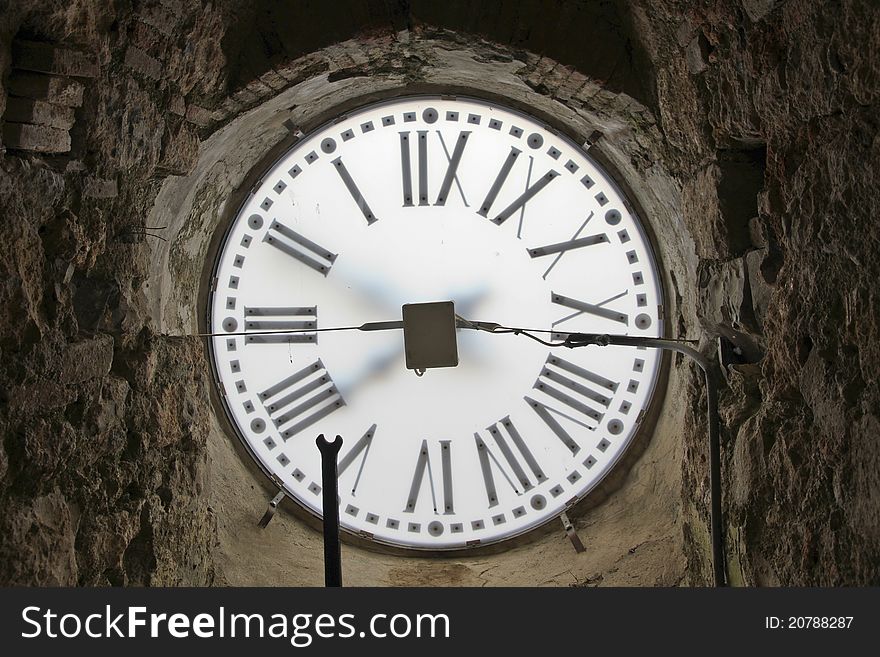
x,y
592,139
571,533
270,511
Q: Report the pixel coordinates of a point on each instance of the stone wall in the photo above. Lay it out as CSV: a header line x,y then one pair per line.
x,y
750,126
789,90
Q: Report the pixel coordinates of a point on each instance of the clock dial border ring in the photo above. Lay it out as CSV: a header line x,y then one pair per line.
x,y
615,472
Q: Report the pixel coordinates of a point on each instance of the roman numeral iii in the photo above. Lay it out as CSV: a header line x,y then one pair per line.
x,y
280,319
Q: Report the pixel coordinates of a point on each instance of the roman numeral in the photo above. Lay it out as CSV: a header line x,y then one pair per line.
x,y
519,481
354,191
561,248
279,319
503,173
595,309
289,405
295,245
451,170
423,466
574,392
361,447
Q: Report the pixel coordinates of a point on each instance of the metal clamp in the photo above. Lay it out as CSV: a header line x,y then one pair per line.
x,y
270,512
571,533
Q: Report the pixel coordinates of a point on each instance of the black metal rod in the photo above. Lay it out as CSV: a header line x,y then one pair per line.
x,y
586,339
332,548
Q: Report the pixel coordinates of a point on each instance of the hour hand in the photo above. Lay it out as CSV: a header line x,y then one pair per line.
x,y
381,326
460,322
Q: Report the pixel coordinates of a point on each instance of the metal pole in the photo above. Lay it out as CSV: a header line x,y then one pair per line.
x,y
332,549
602,340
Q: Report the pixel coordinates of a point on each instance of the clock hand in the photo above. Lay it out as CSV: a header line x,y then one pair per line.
x,y
366,326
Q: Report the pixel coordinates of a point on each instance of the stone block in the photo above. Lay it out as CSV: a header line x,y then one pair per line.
x,y
36,138
28,110
177,105
91,298
100,188
138,60
159,17
178,7
684,33
87,359
758,9
48,58
697,54
180,151
761,290
146,37
198,115
51,88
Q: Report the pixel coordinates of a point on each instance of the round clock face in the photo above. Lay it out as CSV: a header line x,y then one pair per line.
x,y
427,199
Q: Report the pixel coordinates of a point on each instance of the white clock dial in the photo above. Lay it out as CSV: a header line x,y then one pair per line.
x,y
426,199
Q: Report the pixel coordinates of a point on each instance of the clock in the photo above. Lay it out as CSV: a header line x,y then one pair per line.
x,y
435,199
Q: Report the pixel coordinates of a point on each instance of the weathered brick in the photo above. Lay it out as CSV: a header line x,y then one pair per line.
x,y
138,60
27,110
51,88
271,79
245,97
228,108
100,188
356,53
198,115
259,89
303,68
48,58
572,84
37,138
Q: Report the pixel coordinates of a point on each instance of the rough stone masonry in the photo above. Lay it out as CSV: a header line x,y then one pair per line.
x,y
761,114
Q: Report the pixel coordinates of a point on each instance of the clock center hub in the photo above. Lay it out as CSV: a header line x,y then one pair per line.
x,y
442,255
